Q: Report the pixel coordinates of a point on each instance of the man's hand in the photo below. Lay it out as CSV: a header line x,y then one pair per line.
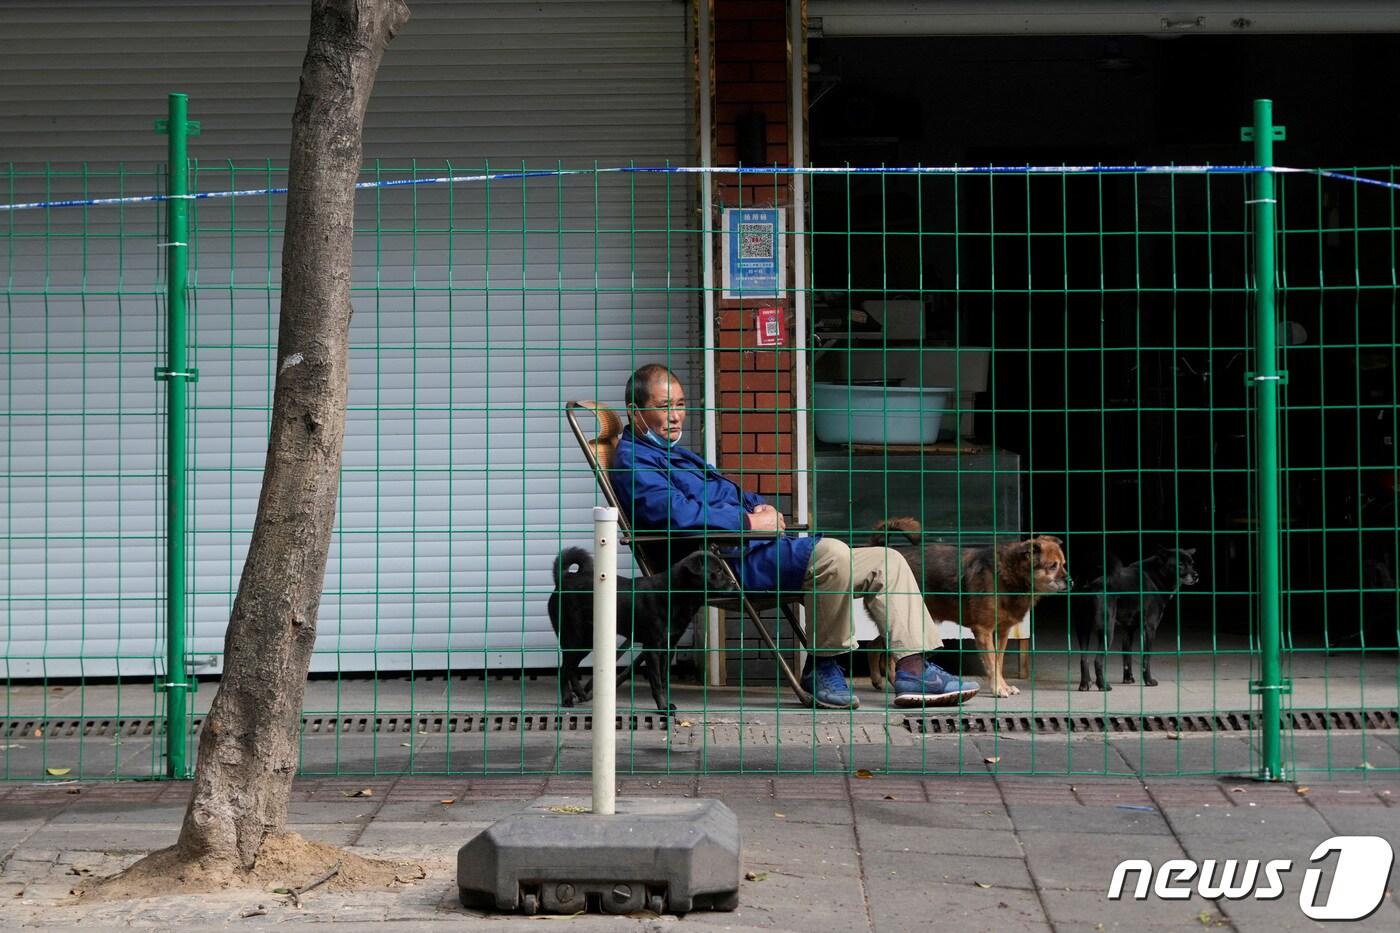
x,y
766,518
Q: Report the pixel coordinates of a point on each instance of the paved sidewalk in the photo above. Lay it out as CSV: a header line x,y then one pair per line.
x,y
884,853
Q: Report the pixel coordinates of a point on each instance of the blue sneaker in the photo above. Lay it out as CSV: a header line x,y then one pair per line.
x,y
935,687
826,682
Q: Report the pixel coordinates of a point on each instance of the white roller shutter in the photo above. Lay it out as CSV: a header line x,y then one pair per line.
x,y
460,479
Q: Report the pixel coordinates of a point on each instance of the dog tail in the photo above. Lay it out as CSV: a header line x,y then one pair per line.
x,y
567,558
908,527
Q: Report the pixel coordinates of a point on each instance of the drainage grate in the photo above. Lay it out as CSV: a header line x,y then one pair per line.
x,y
1298,720
95,727
1310,720
92,727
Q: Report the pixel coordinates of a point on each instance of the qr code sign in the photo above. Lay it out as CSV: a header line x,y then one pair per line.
x,y
755,241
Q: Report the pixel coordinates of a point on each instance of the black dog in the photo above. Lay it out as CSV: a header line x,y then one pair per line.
x,y
1132,598
656,610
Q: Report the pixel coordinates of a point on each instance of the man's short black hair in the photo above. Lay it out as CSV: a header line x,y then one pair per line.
x,y
638,391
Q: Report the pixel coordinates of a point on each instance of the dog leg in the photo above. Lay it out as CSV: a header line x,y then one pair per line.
x,y
1149,636
1129,646
986,641
1110,627
658,690
1084,635
1003,636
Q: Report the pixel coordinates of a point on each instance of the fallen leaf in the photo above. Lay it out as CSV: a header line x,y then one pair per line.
x,y
363,792
781,816
58,772
981,884
448,802
756,876
568,808
889,796
406,744
72,790
1174,736
253,913
684,723
993,760
864,773
1237,790
1204,917
281,890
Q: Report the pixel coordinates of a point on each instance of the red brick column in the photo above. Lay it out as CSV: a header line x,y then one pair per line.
x,y
755,389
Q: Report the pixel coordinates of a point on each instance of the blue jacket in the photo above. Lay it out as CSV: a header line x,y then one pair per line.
x,y
675,489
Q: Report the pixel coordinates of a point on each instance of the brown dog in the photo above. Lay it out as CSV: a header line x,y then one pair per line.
x,y
986,589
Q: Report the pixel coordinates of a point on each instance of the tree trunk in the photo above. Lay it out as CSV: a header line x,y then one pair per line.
x,y
248,747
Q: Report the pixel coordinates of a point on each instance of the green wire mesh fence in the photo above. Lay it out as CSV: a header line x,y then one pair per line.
x,y
1076,347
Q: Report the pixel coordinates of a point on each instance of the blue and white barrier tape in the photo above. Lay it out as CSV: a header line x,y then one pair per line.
x,y
719,170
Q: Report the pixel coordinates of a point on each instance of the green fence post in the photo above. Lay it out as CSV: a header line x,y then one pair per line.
x,y
1266,382
176,375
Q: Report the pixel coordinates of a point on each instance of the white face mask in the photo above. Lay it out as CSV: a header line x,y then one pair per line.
x,y
660,441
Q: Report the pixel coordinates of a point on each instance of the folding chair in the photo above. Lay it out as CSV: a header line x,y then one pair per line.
x,y
646,544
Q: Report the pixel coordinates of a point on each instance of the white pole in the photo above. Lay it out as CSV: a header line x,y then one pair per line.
x,y
604,660
798,121
714,631
797,42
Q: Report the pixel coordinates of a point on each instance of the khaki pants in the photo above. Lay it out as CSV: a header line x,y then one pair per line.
x,y
837,573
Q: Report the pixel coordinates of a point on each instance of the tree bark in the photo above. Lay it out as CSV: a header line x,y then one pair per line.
x,y
248,747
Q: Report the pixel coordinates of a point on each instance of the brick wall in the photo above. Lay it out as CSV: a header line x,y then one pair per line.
x,y
755,385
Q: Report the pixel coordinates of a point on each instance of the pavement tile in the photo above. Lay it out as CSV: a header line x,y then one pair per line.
x,y
1250,915
1092,910
829,812
448,835
345,810
972,790
952,907
817,787
461,810
814,848
411,789
937,815
1112,819
1085,861
104,837
150,812
1353,820
879,787
939,842
781,899
951,866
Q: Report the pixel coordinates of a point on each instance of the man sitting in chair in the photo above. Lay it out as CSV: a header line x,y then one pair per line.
x,y
665,487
